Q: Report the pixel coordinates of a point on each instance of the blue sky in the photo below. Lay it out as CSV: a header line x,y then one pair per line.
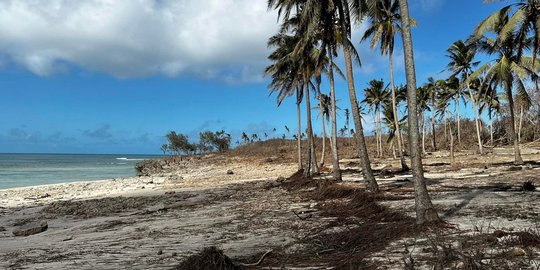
x,y
113,76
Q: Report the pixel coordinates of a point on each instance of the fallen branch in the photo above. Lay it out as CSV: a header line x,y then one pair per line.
x,y
258,262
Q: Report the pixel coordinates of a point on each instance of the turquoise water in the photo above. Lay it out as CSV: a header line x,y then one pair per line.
x,y
20,170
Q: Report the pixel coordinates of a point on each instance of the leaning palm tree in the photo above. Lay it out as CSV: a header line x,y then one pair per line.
x,y
375,95
509,69
461,63
344,18
425,212
385,20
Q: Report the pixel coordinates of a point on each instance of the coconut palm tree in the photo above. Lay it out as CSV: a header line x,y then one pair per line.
x,y
385,20
283,80
523,21
375,95
423,106
431,92
461,63
390,122
324,108
345,14
524,102
444,98
425,212
509,68
489,100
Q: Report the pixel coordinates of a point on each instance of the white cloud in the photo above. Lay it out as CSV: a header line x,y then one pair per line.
x,y
132,38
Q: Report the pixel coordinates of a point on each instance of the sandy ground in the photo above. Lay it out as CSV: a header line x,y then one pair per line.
x,y
156,222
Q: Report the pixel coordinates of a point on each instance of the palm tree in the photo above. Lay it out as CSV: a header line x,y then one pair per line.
x,y
384,18
344,25
425,212
388,117
489,99
324,108
524,102
444,97
282,72
509,69
431,92
423,100
461,63
376,94
316,19
524,21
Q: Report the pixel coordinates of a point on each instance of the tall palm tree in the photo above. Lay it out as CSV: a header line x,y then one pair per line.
x,y
431,92
425,212
509,68
283,80
461,63
489,100
324,108
388,117
444,98
316,18
375,95
344,18
423,106
384,18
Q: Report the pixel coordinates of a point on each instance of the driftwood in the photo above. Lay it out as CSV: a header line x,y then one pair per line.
x,y
258,262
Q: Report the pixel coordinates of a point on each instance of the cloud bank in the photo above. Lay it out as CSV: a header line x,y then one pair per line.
x,y
138,38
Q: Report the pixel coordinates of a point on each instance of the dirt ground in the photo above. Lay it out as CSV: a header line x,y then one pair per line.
x,y
491,222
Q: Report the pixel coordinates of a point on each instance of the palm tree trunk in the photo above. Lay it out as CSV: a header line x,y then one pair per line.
x,y
380,134
445,128
458,121
520,123
423,115
518,160
312,167
323,142
425,212
299,139
433,135
375,120
452,159
476,117
491,130
396,119
371,183
336,171
323,125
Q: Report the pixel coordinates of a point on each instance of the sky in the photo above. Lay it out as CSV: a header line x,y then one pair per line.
x,y
114,76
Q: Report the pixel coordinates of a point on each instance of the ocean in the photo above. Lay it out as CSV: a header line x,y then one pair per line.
x,y
21,170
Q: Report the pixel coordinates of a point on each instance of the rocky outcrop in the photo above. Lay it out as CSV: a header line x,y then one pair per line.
x,y
162,166
31,228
